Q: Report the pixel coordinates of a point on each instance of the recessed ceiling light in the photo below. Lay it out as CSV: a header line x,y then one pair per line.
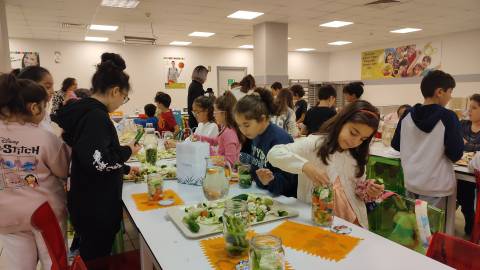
x,y
405,30
103,27
305,49
100,39
244,15
289,38
180,43
120,3
248,46
201,34
336,24
339,43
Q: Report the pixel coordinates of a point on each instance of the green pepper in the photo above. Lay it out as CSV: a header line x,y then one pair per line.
x,y
192,224
260,215
282,213
241,197
379,181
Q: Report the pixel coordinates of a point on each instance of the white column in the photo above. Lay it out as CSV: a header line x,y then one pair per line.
x,y
270,53
4,46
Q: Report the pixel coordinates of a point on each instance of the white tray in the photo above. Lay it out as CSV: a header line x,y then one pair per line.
x,y
177,213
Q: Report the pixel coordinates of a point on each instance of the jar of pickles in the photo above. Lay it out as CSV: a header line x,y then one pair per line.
x,y
235,224
322,205
244,177
155,187
266,253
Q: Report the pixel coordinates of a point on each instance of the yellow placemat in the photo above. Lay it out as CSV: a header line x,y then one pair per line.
x,y
143,204
214,250
315,241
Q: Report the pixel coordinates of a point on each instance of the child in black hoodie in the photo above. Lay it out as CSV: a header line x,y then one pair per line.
x,y
94,198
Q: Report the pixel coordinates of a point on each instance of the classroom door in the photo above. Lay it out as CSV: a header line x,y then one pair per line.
x,y
228,75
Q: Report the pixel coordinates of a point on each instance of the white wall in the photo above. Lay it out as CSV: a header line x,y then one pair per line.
x,y
145,65
460,55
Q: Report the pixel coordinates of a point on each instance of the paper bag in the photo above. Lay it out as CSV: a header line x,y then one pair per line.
x,y
191,164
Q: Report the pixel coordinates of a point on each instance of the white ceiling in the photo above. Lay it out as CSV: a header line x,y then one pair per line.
x,y
175,19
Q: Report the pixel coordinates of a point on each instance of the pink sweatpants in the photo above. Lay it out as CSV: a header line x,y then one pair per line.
x,y
23,250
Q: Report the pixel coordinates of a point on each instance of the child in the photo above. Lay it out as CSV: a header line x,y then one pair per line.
x,y
429,139
67,92
245,87
166,120
284,116
98,159
252,115
276,87
316,116
43,77
338,157
353,91
33,165
229,137
150,113
471,138
300,104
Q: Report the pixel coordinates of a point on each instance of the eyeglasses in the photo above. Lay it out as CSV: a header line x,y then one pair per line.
x,y
125,99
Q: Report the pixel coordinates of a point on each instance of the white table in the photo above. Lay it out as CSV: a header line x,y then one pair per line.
x,y
162,244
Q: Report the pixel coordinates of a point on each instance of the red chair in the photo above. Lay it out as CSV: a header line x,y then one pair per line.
x,y
476,223
454,252
44,220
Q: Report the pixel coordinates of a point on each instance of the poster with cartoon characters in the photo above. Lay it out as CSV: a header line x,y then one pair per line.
x,y
20,59
174,75
18,164
414,60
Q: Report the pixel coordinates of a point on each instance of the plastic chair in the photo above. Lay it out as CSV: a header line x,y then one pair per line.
x,y
476,224
454,252
44,220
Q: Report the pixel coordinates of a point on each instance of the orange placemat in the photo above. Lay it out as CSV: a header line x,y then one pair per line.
x,y
214,250
315,241
143,204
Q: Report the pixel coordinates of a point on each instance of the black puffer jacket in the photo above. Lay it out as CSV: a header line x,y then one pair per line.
x,y
95,195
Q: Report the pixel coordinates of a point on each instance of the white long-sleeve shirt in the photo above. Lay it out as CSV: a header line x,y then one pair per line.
x,y
474,163
292,157
286,121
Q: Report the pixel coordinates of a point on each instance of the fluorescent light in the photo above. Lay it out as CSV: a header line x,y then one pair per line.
x,y
405,30
120,3
101,39
305,49
339,43
201,34
247,46
180,43
336,24
289,38
244,15
103,27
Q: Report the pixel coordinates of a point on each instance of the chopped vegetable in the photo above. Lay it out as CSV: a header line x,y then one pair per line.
x,y
242,197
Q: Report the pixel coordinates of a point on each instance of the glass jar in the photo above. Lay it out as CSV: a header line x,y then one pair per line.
x,y
150,144
322,205
244,177
155,187
215,184
266,253
235,224
387,133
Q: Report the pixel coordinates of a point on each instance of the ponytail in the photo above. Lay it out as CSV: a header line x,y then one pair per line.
x,y
15,94
226,103
259,104
110,74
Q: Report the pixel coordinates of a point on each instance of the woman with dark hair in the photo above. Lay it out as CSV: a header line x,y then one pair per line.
x,y
195,89
353,91
284,116
301,104
336,156
94,199
246,85
69,85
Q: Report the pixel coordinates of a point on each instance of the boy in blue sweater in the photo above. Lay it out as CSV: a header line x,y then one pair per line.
x,y
150,110
252,115
429,139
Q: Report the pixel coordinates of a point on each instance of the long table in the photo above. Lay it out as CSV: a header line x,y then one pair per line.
x,y
164,246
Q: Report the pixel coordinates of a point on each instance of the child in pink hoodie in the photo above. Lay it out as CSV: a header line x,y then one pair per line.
x,y
33,164
228,140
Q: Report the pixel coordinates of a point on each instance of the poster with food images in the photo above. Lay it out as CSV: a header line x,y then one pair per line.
x,y
413,60
22,59
175,77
